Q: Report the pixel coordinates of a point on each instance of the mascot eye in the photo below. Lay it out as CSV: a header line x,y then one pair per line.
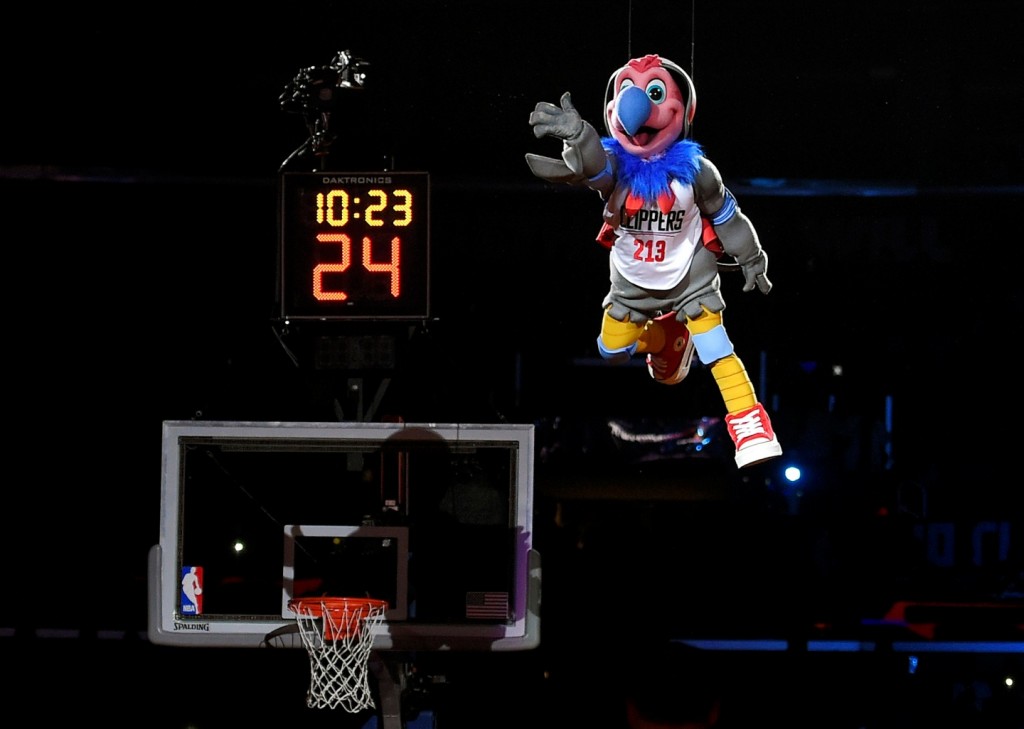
x,y
626,83
656,91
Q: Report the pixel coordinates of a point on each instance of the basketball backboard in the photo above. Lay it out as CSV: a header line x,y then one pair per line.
x,y
434,519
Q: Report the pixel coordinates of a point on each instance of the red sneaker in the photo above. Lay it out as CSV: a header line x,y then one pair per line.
x,y
672,363
751,431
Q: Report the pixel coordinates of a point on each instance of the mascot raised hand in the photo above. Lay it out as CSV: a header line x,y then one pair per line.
x,y
668,218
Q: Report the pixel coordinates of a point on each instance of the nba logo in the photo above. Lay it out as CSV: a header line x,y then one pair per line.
x,y
192,590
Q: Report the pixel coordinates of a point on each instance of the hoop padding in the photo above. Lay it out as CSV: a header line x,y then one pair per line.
x,y
337,633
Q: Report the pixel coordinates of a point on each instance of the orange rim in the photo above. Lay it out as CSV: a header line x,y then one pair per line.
x,y
347,612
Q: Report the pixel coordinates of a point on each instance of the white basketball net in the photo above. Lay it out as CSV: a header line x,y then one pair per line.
x,y
338,637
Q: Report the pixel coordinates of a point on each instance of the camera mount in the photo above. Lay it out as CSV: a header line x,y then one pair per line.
x,y
315,92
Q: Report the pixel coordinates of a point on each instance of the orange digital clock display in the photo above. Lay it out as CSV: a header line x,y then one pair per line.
x,y
355,245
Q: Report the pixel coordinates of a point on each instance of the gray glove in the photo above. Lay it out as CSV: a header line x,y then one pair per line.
x,y
563,123
755,273
583,156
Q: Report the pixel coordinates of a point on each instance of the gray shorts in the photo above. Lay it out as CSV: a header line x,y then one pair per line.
x,y
701,287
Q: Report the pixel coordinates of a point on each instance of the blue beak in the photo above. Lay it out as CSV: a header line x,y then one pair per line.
x,y
632,108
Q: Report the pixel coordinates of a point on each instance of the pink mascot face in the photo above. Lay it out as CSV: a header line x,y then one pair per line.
x,y
647,111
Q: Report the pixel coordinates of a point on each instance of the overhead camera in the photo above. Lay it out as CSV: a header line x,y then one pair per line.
x,y
315,92
317,88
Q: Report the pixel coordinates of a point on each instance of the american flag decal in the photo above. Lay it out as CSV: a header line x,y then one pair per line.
x,y
487,605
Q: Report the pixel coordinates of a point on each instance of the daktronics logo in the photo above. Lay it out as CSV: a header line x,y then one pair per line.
x,y
357,180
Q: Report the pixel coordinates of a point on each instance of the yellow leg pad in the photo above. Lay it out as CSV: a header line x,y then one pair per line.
x,y
704,323
619,334
734,384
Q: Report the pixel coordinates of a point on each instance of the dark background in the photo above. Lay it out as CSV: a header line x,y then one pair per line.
x,y
877,147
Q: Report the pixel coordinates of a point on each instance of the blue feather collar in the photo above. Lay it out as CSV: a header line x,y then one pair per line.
x,y
649,178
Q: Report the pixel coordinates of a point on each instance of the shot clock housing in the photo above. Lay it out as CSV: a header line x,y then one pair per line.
x,y
354,246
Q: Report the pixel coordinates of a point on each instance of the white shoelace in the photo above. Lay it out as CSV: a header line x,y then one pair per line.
x,y
748,425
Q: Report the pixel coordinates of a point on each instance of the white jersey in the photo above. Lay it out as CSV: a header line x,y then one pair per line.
x,y
654,249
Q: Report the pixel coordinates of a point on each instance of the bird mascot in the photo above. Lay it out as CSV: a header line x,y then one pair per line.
x,y
668,218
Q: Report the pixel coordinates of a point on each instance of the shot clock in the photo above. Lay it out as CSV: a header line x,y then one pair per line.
x,y
355,245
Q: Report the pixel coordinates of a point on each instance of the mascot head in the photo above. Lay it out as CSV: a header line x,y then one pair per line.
x,y
649,105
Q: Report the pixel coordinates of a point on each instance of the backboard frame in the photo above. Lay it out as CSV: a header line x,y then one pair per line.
x,y
169,626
